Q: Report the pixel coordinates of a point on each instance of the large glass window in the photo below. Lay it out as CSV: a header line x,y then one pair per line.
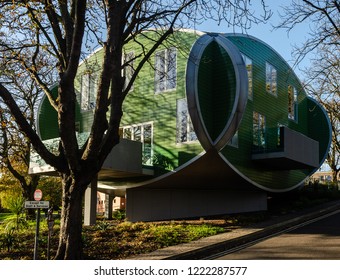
x,y
234,140
165,70
249,65
292,103
271,79
141,133
128,69
259,130
185,129
279,135
88,91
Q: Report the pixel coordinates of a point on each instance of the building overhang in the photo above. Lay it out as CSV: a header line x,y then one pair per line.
x,y
124,161
296,151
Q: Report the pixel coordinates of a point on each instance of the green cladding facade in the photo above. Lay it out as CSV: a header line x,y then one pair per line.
x,y
213,112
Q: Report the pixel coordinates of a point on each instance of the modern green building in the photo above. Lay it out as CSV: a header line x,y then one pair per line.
x,y
211,126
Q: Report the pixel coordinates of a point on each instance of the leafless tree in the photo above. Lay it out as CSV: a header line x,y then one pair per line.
x,y
323,42
322,17
323,83
14,145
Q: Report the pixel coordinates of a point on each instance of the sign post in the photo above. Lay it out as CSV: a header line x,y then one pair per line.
x,y
50,223
36,241
38,205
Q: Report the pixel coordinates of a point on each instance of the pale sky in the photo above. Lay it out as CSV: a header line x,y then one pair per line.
x,y
278,39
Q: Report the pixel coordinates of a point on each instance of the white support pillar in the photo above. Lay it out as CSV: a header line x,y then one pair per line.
x,y
108,206
90,210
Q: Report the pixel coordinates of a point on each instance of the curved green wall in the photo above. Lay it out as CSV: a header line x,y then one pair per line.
x,y
275,109
218,88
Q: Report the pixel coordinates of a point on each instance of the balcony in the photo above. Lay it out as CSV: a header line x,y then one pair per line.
x,y
125,160
296,151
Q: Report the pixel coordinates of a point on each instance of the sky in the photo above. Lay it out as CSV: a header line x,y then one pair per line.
x,y
278,39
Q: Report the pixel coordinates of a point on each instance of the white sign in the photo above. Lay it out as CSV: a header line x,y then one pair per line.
x,y
37,204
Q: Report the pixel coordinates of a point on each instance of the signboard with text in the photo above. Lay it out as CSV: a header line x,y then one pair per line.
x,y
37,204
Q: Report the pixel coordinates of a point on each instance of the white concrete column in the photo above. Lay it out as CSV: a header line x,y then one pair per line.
x,y
90,211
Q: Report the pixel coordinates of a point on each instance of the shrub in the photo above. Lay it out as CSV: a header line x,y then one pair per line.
x,y
16,206
8,238
119,215
103,225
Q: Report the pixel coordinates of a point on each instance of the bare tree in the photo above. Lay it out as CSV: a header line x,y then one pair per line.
x,y
323,83
48,33
323,19
14,145
322,77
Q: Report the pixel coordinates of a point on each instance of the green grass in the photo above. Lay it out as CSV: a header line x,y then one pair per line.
x,y
4,216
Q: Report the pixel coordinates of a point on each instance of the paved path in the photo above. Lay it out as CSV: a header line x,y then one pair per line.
x,y
320,240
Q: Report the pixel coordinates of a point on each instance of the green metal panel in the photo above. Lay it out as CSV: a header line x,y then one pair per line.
x,y
216,84
217,94
275,109
144,105
48,118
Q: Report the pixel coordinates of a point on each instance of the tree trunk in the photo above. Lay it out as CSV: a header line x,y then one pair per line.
x,y
28,193
70,236
335,176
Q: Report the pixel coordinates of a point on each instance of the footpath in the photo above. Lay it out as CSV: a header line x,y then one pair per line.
x,y
205,247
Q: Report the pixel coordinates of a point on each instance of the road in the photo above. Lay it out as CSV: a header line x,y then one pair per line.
x,y
320,240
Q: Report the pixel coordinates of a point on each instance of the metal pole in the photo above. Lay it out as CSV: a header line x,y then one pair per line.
x,y
35,257
48,243
50,223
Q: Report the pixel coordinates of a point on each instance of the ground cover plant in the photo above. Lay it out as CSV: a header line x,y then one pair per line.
x,y
120,239
114,239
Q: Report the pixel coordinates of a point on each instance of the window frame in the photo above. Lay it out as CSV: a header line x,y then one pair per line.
x,y
259,131
132,128
190,134
233,142
88,91
167,75
247,59
128,69
292,103
271,79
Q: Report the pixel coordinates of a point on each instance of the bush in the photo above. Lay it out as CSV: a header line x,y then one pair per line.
x,y
16,206
166,235
119,215
102,225
173,234
8,238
